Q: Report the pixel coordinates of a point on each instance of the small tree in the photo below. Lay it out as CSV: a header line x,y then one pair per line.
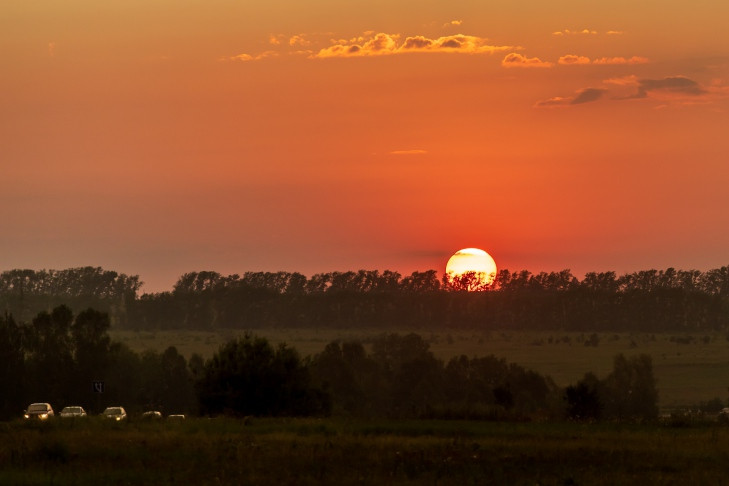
x,y
583,399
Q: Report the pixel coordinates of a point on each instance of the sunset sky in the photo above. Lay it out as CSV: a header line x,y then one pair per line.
x,y
159,137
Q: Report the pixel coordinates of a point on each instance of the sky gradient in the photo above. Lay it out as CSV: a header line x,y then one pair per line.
x,y
160,137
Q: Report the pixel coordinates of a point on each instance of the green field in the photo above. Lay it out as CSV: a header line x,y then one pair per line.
x,y
314,451
689,368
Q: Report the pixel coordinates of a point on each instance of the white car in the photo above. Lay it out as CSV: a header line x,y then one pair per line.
x,y
73,411
115,413
40,411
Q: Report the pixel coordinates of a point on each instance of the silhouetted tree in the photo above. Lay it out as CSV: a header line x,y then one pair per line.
x,y
583,399
344,371
166,382
50,360
468,281
91,353
630,389
248,377
12,368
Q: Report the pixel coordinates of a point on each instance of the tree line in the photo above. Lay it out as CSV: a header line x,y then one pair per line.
x,y
651,300
58,356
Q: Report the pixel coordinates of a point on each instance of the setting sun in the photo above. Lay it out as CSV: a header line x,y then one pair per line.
x,y
477,266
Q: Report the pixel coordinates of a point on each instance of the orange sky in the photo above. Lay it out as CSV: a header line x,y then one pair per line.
x,y
160,137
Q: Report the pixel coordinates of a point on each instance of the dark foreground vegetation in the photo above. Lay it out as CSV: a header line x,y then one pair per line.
x,y
645,301
334,451
58,357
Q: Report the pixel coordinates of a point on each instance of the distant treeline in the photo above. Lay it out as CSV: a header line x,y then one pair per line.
x,y
650,300
24,293
59,356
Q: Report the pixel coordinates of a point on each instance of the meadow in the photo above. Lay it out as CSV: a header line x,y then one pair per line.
x,y
690,368
334,451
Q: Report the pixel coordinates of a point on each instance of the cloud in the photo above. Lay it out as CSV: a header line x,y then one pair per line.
x,y
674,86
241,57
575,32
409,152
247,57
677,90
378,45
615,32
553,102
368,44
387,44
571,59
517,60
453,23
621,60
299,40
631,80
586,95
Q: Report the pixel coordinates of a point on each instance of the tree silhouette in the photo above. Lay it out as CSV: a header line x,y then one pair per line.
x,y
249,377
468,281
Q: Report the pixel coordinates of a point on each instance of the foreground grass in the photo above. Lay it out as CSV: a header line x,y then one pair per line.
x,y
307,451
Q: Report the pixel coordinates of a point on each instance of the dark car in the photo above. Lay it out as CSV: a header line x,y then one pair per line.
x,y
72,411
115,413
40,411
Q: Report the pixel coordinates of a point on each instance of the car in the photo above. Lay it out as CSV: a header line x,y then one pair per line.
x,y
115,413
152,415
72,411
723,416
39,411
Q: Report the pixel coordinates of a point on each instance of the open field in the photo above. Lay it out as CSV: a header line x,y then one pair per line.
x,y
310,451
689,368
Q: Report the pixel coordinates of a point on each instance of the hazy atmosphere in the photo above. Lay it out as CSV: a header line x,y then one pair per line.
x,y
157,138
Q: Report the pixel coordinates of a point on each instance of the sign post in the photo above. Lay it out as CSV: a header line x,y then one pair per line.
x,y
98,388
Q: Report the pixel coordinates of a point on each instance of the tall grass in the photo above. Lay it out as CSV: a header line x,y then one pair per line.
x,y
330,451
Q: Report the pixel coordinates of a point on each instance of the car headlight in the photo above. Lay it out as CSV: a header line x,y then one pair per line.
x,y
43,416
26,416
118,418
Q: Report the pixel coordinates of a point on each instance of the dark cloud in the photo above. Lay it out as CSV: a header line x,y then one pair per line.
x,y
587,95
451,43
676,84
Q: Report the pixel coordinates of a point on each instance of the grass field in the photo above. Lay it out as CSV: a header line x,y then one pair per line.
x,y
307,451
689,368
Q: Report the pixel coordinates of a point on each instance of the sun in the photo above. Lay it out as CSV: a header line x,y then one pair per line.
x,y
471,269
